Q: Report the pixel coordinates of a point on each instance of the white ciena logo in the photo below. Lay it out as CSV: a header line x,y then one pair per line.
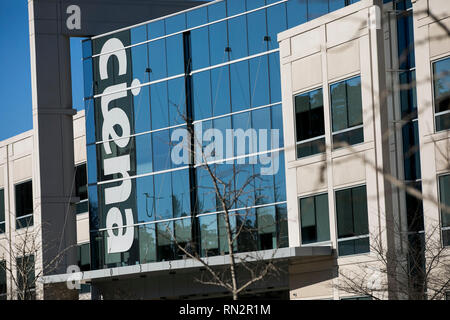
x,y
73,22
123,240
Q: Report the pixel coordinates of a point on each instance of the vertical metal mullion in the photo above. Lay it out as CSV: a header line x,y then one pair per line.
x,y
195,232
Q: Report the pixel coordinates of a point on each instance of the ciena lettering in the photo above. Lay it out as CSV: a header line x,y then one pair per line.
x,y
120,232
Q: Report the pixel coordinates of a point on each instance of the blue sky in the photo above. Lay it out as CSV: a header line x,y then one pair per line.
x,y
15,78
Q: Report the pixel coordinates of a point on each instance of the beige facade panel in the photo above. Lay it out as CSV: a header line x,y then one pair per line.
x,y
2,176
311,285
83,228
22,169
80,150
3,155
285,48
79,126
311,178
442,150
347,28
343,59
307,43
307,72
439,39
349,170
23,147
438,9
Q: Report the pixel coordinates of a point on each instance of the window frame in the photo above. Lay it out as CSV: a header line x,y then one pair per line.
x,y
438,114
330,106
297,143
337,226
315,215
447,174
3,223
82,202
15,205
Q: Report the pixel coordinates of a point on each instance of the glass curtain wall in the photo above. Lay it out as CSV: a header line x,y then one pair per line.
x,y
205,71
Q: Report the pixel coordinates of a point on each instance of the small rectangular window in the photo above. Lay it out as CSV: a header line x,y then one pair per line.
x,y
314,219
2,211
2,280
441,79
346,110
310,126
26,281
84,257
444,190
24,204
81,188
352,220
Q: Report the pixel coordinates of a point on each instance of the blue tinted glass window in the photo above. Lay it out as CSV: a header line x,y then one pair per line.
x,y
159,107
253,4
90,120
177,101
280,178
197,17
235,7
259,81
276,23
138,34
156,29
222,124
264,185
256,32
336,4
176,23
175,56
181,193
147,243
206,195
141,101
209,235
157,59
201,95
163,196
92,163
317,8
144,154
240,86
245,189
217,11
146,199
411,151
241,121
218,42
405,37
87,48
199,48
297,11
139,61
261,121
161,150
220,90
142,110
88,78
277,122
275,77
237,37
